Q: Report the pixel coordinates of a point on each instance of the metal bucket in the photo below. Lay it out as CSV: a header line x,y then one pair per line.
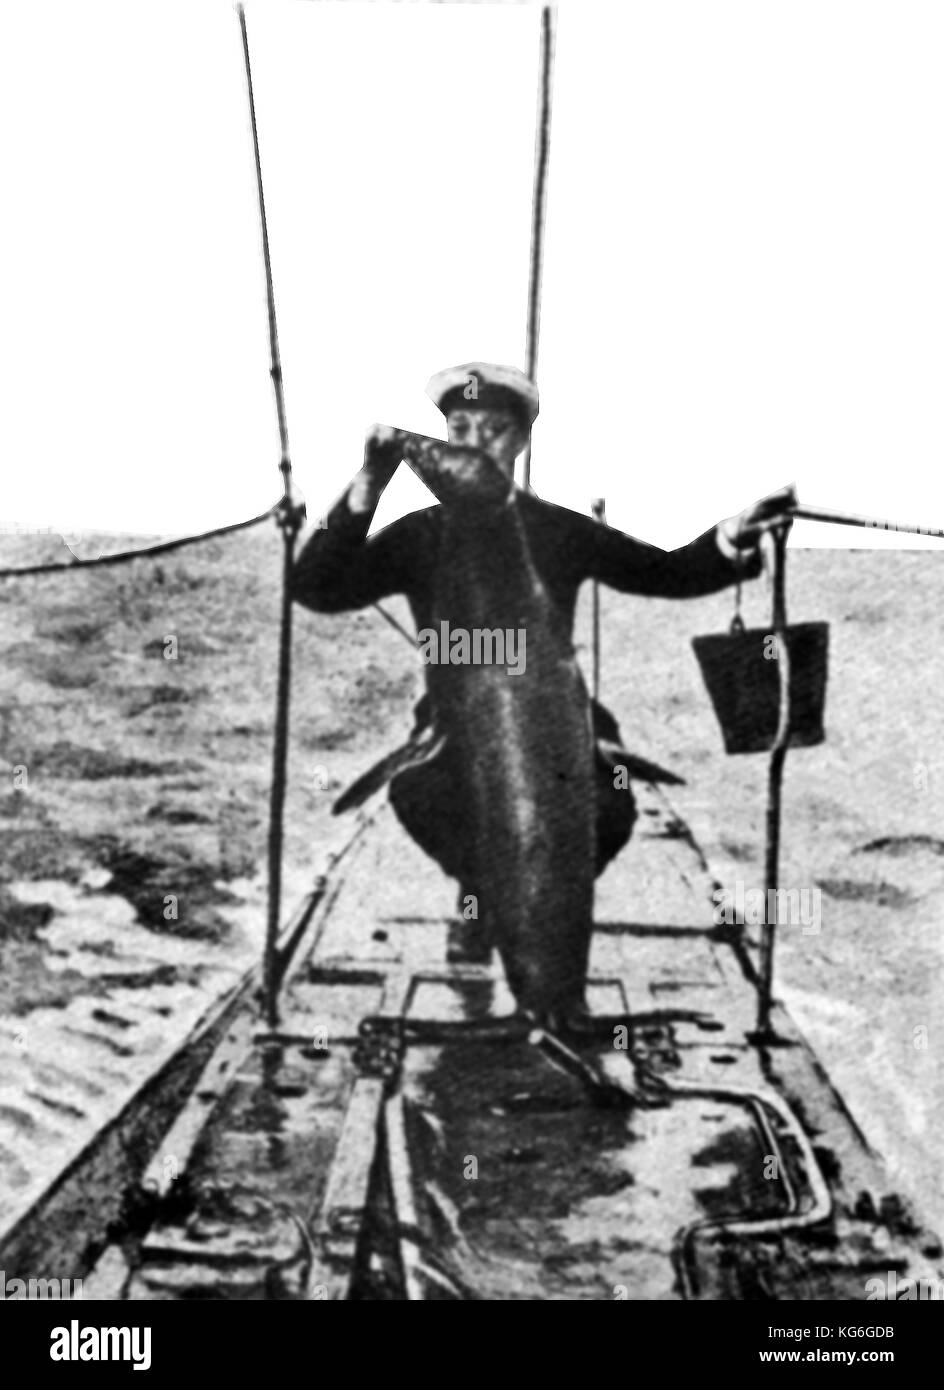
x,y
744,684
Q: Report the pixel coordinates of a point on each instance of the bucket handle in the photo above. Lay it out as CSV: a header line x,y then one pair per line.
x,y
768,566
737,622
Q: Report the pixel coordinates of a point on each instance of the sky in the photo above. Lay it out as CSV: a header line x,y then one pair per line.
x,y
743,287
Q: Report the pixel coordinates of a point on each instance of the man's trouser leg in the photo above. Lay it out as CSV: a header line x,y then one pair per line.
x,y
430,805
616,813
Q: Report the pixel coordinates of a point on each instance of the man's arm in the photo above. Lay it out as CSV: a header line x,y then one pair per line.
x,y
722,556
702,567
339,568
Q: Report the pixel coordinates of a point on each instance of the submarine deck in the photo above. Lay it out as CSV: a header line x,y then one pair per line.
x,y
431,1156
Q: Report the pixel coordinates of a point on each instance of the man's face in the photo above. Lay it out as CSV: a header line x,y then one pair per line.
x,y
498,433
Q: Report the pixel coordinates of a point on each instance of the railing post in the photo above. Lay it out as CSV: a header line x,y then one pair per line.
x,y
290,514
778,546
542,150
598,512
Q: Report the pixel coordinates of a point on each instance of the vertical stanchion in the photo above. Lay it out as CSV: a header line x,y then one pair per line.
x,y
289,527
778,545
289,518
542,149
598,512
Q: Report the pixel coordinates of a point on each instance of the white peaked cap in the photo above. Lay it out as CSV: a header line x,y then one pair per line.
x,y
484,383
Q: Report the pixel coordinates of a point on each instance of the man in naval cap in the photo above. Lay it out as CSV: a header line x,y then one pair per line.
x,y
492,408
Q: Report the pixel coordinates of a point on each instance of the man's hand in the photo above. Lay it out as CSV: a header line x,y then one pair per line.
x,y
383,450
745,530
383,447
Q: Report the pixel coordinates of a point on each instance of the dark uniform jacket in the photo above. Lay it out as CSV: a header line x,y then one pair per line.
x,y
340,569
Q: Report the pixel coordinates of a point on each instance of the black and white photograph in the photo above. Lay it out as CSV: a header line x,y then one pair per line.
x,y
471,743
